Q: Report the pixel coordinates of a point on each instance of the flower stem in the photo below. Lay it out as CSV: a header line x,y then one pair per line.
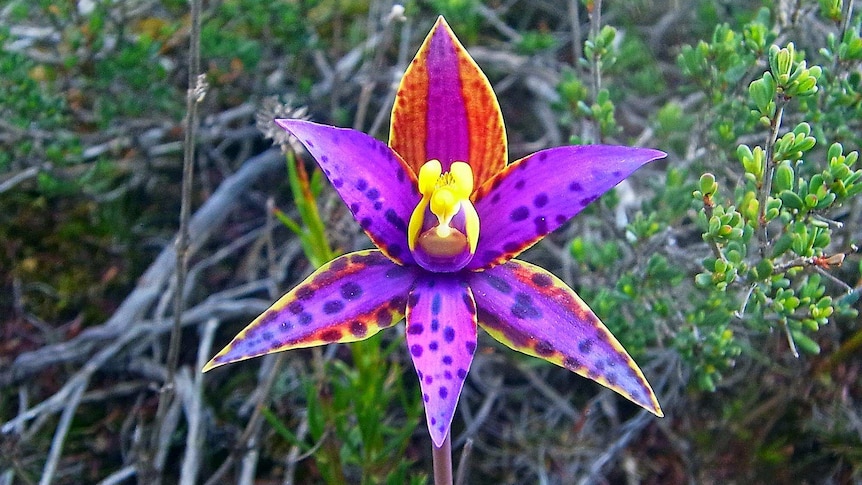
x,y
443,462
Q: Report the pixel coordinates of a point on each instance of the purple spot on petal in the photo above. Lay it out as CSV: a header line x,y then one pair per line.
x,y
520,184
305,319
520,213
268,317
471,346
541,280
361,184
435,304
416,350
393,218
305,293
295,307
447,375
449,334
511,247
544,348
433,421
524,308
443,392
435,324
337,183
338,264
429,379
541,225
372,194
540,200
575,187
415,329
309,144
588,200
433,346
332,335
333,306
383,317
571,363
447,360
585,346
561,218
351,291
400,174
543,156
398,303
495,198
498,283
462,374
366,222
426,397
358,329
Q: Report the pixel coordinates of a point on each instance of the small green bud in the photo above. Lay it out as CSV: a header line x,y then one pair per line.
x,y
804,343
783,177
791,200
708,185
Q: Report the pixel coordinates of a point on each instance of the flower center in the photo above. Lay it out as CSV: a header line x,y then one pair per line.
x,y
444,226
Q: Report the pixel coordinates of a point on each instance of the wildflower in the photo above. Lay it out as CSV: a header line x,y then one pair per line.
x,y
448,215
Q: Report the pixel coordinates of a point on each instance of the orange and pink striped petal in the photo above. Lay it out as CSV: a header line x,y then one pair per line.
x,y
445,109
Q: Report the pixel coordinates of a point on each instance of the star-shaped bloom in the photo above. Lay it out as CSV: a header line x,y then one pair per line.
x,y
448,215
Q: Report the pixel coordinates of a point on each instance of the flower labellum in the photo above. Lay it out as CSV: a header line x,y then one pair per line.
x,y
448,215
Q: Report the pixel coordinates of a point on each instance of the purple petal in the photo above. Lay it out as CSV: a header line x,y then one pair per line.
x,y
348,299
441,336
532,311
538,193
377,186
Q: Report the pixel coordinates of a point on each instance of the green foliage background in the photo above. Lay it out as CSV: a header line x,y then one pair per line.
x,y
729,270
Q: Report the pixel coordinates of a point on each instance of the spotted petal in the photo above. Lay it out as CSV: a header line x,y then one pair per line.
x,y
538,193
532,311
441,336
445,109
349,299
377,186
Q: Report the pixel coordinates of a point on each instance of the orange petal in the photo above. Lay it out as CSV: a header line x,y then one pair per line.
x,y
446,110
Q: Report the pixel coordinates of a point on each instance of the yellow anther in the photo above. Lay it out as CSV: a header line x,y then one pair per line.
x,y
462,179
429,175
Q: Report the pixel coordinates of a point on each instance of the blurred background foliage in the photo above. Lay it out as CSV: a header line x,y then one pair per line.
x,y
729,270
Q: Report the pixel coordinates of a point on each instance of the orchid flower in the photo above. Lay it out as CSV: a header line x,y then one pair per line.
x,y
448,215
